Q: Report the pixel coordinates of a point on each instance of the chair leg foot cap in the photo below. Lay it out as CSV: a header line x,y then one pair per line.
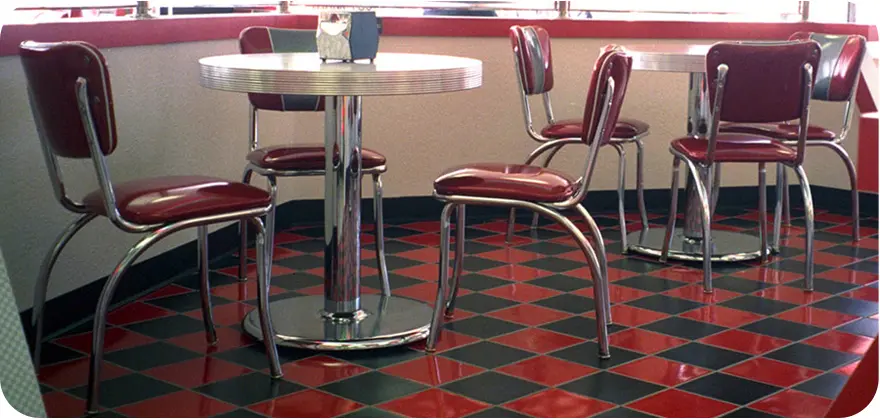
x,y
604,356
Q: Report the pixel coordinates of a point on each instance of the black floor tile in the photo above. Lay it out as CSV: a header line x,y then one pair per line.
x,y
650,283
482,303
622,412
182,303
729,388
480,282
547,248
782,329
745,412
665,304
851,251
739,222
827,385
394,246
224,261
168,327
315,246
378,358
497,412
474,247
395,232
796,266
476,263
216,279
372,388
297,280
582,327
818,225
127,389
863,327
254,356
683,328
554,264
392,262
636,265
848,306
704,356
740,285
144,357
51,353
758,305
824,285
562,282
483,327
569,303
487,354
830,237
540,233
812,357
246,390
869,266
611,387
239,413
371,412
492,387
302,262
394,280
587,353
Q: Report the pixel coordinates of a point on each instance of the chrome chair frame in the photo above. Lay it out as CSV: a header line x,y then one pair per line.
x,y
695,168
616,143
155,233
272,174
597,261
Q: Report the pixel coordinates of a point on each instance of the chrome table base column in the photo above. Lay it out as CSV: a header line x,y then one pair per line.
x,y
342,318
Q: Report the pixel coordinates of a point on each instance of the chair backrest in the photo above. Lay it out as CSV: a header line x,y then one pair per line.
x,y
53,71
531,47
612,68
761,82
838,72
262,39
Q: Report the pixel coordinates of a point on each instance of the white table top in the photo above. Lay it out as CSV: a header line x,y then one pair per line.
x,y
681,58
305,73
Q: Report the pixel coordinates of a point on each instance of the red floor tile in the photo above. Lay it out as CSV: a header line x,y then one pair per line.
x,y
432,370
424,226
277,270
242,291
578,256
500,226
62,405
198,371
683,274
618,293
167,291
115,338
528,314
747,342
792,295
501,240
546,370
226,339
524,293
434,403
76,373
794,404
828,217
848,369
644,341
537,340
319,370
555,403
722,316
517,273
793,239
840,341
694,292
306,404
425,254
426,272
772,372
849,276
426,292
660,371
845,229
816,317
510,255
674,403
864,293
631,316
136,312
285,238
425,239
447,340
278,253
768,275
226,314
827,259
181,404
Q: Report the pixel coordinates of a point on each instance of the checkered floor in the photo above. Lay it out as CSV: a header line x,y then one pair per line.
x,y
522,342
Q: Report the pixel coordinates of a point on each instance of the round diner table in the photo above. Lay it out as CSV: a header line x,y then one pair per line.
x,y
343,318
686,240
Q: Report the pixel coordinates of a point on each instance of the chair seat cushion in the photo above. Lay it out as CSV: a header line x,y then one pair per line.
x,y
169,199
573,128
305,157
510,181
736,148
786,132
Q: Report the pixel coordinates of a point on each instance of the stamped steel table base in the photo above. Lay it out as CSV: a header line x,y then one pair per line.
x,y
728,246
301,322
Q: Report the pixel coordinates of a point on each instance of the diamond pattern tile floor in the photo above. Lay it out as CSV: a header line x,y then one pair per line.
x,y
522,342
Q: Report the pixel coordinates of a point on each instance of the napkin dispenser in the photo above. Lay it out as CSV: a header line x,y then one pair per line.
x,y
347,36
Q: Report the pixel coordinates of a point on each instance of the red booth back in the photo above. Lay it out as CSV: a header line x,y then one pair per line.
x,y
614,65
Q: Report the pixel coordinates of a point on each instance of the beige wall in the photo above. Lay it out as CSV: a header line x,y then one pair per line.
x,y
168,124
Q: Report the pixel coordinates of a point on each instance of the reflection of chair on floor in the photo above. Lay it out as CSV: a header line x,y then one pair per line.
x,y
69,88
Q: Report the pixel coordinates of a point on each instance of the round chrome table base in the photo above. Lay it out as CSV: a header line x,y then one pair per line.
x,y
729,246
385,321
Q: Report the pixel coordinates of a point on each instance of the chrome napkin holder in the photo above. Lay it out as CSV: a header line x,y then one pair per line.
x,y
347,36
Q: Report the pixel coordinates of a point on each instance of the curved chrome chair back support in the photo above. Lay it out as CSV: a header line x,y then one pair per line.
x,y
262,39
534,69
742,90
604,100
72,105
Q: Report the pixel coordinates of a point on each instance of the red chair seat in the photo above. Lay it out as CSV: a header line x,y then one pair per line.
x,y
736,148
786,132
510,181
573,128
169,199
304,157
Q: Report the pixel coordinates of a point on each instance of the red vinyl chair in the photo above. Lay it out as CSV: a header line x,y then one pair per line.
x,y
539,189
292,160
534,70
836,80
743,90
69,89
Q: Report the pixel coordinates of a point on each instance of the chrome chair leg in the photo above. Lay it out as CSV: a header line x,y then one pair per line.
x,y
460,229
602,260
242,233
705,212
853,183
777,212
42,285
379,233
808,211
673,210
640,183
762,209
205,288
264,277
621,191
511,222
535,220
442,281
786,202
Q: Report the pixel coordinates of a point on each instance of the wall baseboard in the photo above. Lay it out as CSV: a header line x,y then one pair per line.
x,y
77,307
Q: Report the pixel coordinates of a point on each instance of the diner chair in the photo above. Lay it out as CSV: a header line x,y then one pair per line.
x,y
534,70
750,83
540,189
293,160
837,78
69,90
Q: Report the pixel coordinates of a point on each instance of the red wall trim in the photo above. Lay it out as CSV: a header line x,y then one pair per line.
x,y
123,32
